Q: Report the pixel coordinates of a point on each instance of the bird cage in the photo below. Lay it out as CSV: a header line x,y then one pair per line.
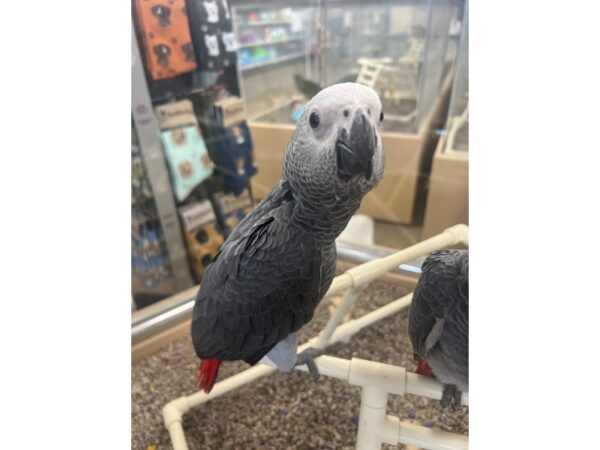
x,y
396,82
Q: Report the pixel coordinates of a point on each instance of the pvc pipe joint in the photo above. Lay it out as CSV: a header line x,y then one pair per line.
x,y
324,337
174,410
374,425
391,379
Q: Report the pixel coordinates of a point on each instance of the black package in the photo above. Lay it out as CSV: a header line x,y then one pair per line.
x,y
212,34
232,154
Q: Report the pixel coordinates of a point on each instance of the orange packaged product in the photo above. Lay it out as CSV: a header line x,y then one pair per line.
x,y
166,35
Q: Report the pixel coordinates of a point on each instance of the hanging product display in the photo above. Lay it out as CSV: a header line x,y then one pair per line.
x,y
233,156
201,234
166,34
212,33
184,147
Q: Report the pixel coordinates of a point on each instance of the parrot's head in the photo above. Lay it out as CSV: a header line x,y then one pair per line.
x,y
336,148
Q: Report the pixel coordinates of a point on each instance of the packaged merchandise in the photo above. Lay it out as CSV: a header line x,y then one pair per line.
x,y
233,156
149,260
184,146
187,158
166,36
212,33
201,235
233,209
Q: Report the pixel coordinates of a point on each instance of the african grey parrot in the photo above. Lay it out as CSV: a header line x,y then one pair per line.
x,y
268,277
439,322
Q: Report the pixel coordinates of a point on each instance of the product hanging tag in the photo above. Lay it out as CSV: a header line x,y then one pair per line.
x,y
229,111
176,114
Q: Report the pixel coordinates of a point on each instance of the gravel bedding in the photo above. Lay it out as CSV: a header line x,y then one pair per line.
x,y
283,411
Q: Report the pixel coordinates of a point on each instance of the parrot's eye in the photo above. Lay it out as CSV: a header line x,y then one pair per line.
x,y
381,117
313,120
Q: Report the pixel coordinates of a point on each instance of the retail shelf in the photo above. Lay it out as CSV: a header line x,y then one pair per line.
x,y
274,61
258,44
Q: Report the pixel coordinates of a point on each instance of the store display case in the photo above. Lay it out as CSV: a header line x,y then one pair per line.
x,y
276,42
448,197
194,145
397,47
217,88
151,156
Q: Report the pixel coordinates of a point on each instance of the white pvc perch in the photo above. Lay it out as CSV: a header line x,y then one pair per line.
x,y
375,426
376,379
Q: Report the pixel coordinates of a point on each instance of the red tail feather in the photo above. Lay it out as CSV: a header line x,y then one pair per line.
x,y
424,369
208,374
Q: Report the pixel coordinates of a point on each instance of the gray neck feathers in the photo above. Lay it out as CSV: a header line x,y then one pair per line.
x,y
322,203
327,217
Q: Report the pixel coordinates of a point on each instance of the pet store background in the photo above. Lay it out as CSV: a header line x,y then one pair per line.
x,y
217,87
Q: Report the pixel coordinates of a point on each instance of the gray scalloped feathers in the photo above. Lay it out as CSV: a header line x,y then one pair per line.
x,y
439,316
277,265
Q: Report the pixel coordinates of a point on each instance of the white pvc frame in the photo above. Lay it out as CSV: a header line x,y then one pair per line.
x,y
377,380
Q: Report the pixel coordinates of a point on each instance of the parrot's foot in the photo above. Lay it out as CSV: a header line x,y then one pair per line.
x,y
308,357
451,396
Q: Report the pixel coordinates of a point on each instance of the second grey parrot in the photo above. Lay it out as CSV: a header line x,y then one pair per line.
x,y
268,277
439,322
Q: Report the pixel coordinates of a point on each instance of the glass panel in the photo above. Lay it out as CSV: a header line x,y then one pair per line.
x,y
458,115
277,44
250,64
380,45
400,48
435,56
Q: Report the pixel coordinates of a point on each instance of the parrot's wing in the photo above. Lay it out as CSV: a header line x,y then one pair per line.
x,y
426,315
279,196
263,285
441,280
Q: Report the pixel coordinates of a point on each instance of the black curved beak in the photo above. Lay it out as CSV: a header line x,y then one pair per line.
x,y
355,150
